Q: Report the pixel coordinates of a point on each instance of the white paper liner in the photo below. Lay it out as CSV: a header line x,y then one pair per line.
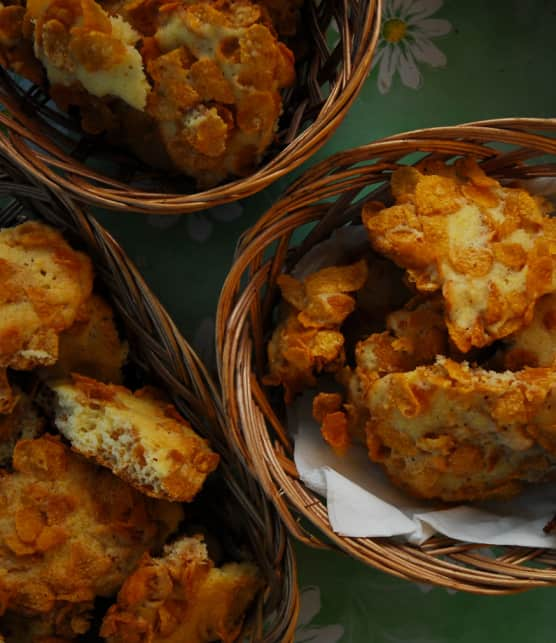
x,y
362,502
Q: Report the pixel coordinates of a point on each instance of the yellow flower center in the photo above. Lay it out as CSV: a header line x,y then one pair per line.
x,y
394,30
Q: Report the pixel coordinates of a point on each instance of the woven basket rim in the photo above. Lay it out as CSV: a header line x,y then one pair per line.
x,y
170,358
245,304
45,164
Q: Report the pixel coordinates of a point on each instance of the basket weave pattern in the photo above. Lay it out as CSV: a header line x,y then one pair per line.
x,y
51,146
162,355
329,196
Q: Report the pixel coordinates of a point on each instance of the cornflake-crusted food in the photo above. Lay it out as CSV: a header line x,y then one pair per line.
x,y
534,345
58,626
488,249
70,531
44,284
182,597
139,436
92,346
454,433
24,422
16,52
81,46
308,341
216,71
415,335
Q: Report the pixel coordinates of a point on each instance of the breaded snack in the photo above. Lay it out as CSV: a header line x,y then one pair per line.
x,y
488,249
58,626
182,597
216,72
454,433
308,341
139,436
44,284
70,531
24,422
81,46
16,52
534,345
416,335
92,346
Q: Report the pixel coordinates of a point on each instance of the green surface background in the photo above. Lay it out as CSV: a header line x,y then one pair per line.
x,y
500,63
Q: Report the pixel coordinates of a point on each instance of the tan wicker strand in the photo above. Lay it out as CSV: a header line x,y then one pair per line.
x,y
51,148
330,195
163,356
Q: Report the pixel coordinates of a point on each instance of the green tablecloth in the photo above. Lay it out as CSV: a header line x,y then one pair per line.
x,y
472,60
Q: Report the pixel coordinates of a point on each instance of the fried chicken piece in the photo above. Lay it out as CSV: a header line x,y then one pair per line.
x,y
16,51
455,433
57,626
182,597
217,71
44,284
24,422
139,436
308,341
534,345
488,249
80,44
70,531
416,335
92,346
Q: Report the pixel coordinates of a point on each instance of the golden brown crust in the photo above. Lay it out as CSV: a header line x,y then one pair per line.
x,y
489,249
70,531
44,283
451,432
24,422
139,436
308,341
91,346
182,597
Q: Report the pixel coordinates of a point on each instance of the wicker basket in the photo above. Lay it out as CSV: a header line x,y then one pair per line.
x,y
240,513
329,195
51,147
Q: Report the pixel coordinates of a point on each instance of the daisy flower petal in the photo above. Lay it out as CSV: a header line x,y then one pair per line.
x,y
433,27
410,75
423,9
427,52
387,67
199,227
377,57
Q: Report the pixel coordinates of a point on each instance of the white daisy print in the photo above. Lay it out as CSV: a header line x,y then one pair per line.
x,y
406,40
310,607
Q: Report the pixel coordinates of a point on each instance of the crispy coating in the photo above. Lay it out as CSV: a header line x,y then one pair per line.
x,y
216,71
16,51
24,422
488,249
92,346
454,433
534,345
58,626
44,284
80,45
182,597
139,436
69,532
308,341
415,335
